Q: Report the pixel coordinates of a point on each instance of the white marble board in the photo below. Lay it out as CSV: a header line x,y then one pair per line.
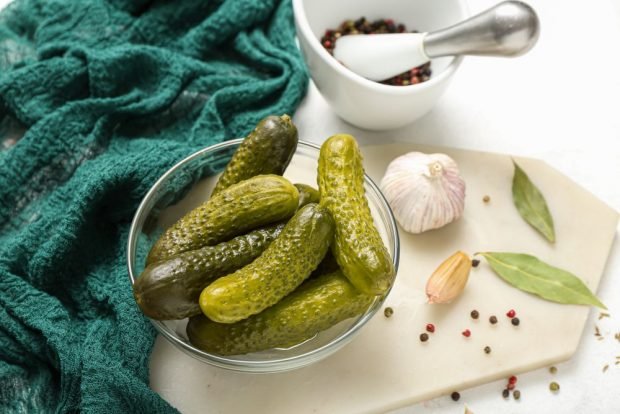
x,y
387,366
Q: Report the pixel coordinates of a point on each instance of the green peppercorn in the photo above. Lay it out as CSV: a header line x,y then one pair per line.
x,y
553,370
554,386
516,394
487,349
388,312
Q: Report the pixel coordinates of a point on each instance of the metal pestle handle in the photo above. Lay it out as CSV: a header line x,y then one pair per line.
x,y
511,28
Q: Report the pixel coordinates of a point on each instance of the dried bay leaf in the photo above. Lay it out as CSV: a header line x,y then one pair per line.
x,y
532,275
531,204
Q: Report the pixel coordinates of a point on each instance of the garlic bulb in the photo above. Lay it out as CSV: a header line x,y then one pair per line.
x,y
425,191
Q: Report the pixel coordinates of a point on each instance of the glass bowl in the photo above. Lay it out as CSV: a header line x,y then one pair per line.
x,y
188,184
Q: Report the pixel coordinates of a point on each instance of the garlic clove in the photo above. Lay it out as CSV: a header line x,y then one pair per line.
x,y
449,279
425,191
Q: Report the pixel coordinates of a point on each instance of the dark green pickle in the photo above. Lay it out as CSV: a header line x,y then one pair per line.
x,y
286,263
315,306
268,149
307,194
247,205
170,289
357,246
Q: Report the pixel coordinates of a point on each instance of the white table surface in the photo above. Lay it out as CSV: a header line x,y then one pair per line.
x,y
545,105
549,106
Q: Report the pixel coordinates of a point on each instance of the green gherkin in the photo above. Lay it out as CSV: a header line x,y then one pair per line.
x,y
307,194
170,289
268,149
244,206
286,263
357,246
314,306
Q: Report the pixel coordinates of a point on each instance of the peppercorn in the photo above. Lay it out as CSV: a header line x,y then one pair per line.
x,y
474,314
430,327
511,313
466,333
487,349
424,337
510,386
455,396
475,263
388,312
486,199
554,386
515,321
493,319
505,393
512,379
516,394
553,370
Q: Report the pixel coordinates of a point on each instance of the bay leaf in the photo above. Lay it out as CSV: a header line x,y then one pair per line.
x,y
532,275
531,204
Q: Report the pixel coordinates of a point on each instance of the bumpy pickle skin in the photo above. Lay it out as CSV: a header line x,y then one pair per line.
x,y
358,247
268,149
170,289
316,305
283,266
242,207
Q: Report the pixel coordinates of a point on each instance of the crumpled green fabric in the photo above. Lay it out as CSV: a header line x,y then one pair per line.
x,y
98,99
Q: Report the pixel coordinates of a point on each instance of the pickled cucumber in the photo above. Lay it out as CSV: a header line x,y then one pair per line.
x,y
307,194
170,289
279,270
315,306
244,206
357,246
268,149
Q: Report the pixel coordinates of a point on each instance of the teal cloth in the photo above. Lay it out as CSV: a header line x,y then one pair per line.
x,y
97,100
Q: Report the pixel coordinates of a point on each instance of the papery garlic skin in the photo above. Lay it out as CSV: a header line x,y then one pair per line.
x,y
425,191
449,279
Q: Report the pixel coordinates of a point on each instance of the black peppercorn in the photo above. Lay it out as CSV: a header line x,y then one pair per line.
x,y
515,321
455,396
487,349
388,312
474,314
505,393
424,337
493,319
475,263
